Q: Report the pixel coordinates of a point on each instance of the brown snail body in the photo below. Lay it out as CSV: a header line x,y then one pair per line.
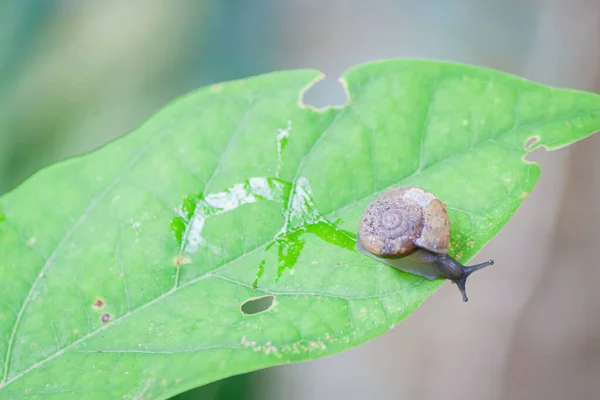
x,y
408,228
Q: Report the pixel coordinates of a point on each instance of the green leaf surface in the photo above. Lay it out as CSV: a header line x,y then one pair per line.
x,y
123,272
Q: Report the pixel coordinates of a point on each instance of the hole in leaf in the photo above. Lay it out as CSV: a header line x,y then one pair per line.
x,y
257,305
536,154
324,93
531,141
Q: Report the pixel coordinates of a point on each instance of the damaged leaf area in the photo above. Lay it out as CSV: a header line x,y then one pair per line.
x,y
218,237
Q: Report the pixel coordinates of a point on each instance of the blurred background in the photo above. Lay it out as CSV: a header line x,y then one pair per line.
x,y
75,74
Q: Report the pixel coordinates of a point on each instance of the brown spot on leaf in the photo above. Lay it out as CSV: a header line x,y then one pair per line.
x,y
99,303
105,317
180,260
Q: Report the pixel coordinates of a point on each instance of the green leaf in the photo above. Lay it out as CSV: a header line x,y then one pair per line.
x,y
124,272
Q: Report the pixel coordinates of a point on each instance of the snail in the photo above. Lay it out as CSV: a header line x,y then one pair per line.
x,y
408,228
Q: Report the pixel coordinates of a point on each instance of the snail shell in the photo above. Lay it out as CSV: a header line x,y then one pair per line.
x,y
408,228
404,218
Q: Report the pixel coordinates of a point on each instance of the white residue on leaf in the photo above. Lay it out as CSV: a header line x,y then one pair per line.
x,y
301,207
267,348
267,188
251,191
136,226
282,138
195,238
318,345
231,199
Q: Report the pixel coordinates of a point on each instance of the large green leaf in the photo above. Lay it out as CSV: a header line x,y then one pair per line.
x,y
123,272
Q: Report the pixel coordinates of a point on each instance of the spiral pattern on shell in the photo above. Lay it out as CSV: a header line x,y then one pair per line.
x,y
402,219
